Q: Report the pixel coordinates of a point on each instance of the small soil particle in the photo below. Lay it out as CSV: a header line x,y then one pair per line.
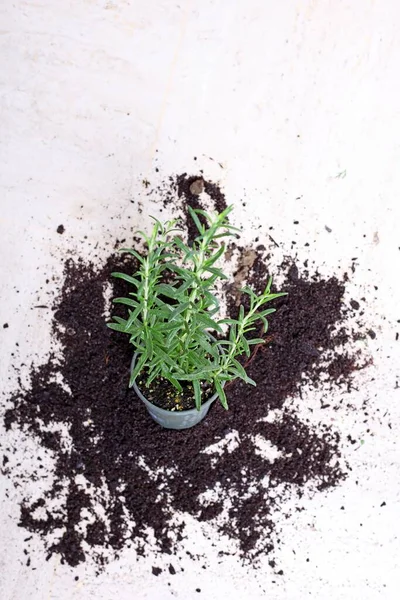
x,y
60,229
5,326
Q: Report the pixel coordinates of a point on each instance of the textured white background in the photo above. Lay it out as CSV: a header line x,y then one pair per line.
x,y
300,102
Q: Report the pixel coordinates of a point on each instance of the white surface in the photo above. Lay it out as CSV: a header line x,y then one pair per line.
x,y
300,103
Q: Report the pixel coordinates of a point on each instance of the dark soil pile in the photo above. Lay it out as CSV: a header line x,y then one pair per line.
x,y
150,473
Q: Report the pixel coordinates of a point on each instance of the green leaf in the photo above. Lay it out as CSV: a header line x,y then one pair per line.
x,y
149,344
176,269
264,313
127,278
133,316
207,322
185,249
211,299
154,373
143,235
265,322
116,327
228,322
140,362
196,220
214,257
197,394
217,272
159,352
225,343
221,394
245,345
254,341
267,287
175,383
239,369
167,290
126,301
273,296
185,286
199,375
209,348
119,320
179,309
134,253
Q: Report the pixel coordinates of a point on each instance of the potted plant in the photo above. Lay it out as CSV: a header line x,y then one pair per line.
x,y
179,368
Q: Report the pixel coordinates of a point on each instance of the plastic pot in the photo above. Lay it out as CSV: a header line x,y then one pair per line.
x,y
182,419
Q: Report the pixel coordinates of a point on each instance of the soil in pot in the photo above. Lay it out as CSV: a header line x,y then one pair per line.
x,y
163,394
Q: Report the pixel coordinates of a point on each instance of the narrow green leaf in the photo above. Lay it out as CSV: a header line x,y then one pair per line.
x,y
228,322
214,257
179,309
116,327
245,345
217,272
254,341
225,343
160,352
266,312
197,394
207,322
127,278
149,344
133,316
140,362
273,296
211,299
196,220
221,394
154,373
199,375
239,368
185,249
185,286
133,253
167,290
209,348
175,383
265,322
126,301
119,320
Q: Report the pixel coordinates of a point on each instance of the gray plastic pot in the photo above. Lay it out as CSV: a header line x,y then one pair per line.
x,y
182,419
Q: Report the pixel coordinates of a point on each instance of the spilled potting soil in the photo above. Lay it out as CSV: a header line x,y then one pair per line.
x,y
118,474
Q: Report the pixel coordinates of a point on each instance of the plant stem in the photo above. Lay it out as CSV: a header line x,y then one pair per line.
x,y
198,260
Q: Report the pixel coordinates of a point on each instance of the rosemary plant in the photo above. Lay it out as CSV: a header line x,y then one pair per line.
x,y
169,324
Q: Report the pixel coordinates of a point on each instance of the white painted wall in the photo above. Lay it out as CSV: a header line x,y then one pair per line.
x,y
287,96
